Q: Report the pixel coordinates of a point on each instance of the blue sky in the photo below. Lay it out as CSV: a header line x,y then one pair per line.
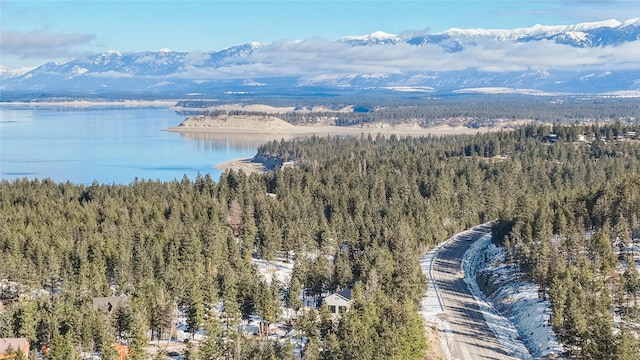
x,y
35,32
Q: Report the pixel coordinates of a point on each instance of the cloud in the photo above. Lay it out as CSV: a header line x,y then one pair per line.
x,y
145,59
110,74
547,55
197,57
42,44
323,59
251,82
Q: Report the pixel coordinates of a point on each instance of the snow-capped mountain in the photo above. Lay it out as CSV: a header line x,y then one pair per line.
x,y
376,38
10,73
603,33
583,58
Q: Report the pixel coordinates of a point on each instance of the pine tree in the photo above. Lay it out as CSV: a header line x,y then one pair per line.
x,y
599,342
63,348
104,336
294,300
311,350
162,313
331,348
191,352
357,329
575,317
601,249
267,303
628,346
632,281
122,318
138,339
195,309
25,320
211,348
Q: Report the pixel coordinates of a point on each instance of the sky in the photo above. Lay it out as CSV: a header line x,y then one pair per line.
x,y
36,32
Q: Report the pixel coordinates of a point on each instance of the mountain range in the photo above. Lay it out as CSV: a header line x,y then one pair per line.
x,y
588,58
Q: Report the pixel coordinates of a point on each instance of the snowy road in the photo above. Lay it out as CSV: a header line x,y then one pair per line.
x,y
472,337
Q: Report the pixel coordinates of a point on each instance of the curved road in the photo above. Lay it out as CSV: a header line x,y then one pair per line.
x,y
472,337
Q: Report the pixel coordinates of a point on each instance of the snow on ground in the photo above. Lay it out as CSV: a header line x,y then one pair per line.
x,y
281,331
279,269
503,90
431,306
513,311
519,299
504,330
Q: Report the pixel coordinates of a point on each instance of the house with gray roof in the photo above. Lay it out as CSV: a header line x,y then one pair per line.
x,y
338,302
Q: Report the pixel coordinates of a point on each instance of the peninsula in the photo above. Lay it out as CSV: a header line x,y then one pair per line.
x,y
276,128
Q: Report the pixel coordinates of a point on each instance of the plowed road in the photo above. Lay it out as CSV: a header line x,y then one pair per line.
x,y
473,339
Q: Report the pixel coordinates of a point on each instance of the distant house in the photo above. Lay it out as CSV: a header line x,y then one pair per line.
x,y
338,302
108,304
10,346
552,138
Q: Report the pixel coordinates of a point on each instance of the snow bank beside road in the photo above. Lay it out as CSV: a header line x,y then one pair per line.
x,y
473,261
511,307
518,299
512,297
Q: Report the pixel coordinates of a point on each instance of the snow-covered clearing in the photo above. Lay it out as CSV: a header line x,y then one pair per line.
x,y
278,269
514,312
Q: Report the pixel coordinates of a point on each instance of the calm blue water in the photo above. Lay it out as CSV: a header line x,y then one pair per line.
x,y
109,146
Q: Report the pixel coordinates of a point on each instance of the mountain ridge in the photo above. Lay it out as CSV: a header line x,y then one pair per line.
x,y
596,57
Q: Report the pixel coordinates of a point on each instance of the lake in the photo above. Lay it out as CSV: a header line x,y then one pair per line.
x,y
109,145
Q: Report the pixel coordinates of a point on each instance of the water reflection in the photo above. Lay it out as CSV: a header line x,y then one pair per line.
x,y
224,142
111,146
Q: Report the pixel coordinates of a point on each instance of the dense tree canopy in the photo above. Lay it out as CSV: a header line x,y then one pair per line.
x,y
353,212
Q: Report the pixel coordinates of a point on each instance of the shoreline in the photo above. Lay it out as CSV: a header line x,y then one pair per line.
x,y
298,130
92,104
243,164
273,126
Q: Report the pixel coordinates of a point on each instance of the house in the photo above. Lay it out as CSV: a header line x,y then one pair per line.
x,y
10,346
338,302
108,304
552,138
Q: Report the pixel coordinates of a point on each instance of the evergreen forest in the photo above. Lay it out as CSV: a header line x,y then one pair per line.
x,y
353,212
473,111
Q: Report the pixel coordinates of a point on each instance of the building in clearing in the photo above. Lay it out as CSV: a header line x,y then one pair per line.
x,y
338,302
10,346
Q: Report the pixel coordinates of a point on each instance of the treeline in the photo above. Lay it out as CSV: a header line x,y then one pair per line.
x,y
469,110
582,247
353,212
